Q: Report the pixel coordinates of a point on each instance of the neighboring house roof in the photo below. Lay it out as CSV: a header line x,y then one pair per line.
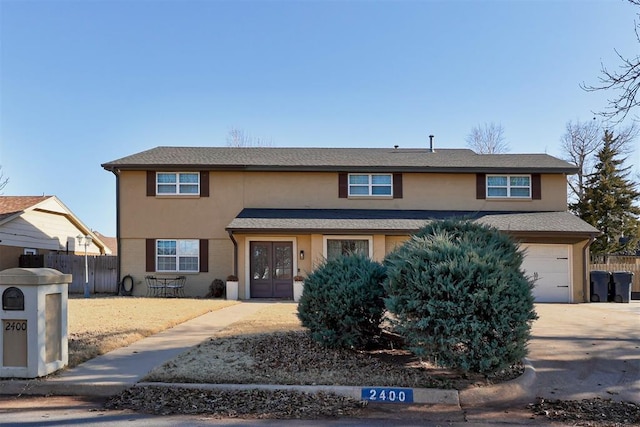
x,y
12,207
111,242
338,159
400,221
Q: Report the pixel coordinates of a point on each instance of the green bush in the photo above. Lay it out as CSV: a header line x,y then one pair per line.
x,y
342,302
458,296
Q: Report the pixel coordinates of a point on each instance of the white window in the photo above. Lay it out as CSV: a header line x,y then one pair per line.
x,y
509,186
378,185
336,246
177,255
178,183
30,251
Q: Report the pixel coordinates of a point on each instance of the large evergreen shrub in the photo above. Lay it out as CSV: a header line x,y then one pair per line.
x,y
342,303
457,294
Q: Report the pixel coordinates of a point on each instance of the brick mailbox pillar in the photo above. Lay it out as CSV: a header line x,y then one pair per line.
x,y
34,338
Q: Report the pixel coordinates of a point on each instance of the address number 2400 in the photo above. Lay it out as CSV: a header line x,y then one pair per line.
x,y
15,325
388,395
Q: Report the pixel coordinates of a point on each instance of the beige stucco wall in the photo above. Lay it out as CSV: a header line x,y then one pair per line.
x,y
9,257
197,284
182,217
230,192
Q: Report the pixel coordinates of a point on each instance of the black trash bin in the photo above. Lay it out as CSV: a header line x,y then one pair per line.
x,y
621,286
600,285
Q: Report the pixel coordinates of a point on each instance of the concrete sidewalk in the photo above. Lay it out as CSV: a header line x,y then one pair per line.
x,y
119,369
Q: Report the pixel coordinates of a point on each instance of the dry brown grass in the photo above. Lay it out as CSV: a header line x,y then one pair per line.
x,y
98,325
272,347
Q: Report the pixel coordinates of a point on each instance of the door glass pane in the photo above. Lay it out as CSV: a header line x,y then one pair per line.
x,y
282,261
260,261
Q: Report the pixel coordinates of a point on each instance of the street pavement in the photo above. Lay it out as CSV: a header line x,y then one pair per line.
x,y
577,351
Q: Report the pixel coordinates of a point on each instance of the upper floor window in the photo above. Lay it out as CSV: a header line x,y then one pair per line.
x,y
177,255
178,183
370,185
509,186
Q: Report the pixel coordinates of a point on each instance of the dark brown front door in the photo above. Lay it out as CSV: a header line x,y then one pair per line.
x,y
271,269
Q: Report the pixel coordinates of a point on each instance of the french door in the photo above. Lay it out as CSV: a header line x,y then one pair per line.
x,y
271,269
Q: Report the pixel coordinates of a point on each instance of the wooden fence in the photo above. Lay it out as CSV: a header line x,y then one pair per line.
x,y
634,268
103,276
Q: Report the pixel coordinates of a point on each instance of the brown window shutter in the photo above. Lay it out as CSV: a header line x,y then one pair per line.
x,y
343,185
204,256
204,184
536,186
397,186
150,255
481,186
151,183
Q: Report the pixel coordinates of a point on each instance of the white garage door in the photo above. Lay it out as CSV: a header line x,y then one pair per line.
x,y
549,264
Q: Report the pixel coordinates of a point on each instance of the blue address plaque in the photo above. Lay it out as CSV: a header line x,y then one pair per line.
x,y
387,394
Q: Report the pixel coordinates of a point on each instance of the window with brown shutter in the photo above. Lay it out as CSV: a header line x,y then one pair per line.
x,y
397,186
481,186
204,184
343,185
204,255
536,186
150,255
151,183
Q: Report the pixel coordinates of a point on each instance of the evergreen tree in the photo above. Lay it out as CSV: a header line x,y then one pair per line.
x,y
609,200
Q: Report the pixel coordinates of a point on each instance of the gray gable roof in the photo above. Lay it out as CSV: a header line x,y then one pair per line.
x,y
400,221
338,159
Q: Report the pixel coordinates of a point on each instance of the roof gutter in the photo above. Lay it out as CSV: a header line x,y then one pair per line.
x,y
586,261
344,168
116,172
235,252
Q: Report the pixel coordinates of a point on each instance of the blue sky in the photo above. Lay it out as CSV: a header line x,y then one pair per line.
x,y
87,82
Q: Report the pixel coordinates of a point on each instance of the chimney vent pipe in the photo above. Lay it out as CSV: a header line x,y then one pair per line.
x,y
431,144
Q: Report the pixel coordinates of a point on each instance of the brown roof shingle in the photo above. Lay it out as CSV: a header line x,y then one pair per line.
x,y
11,205
338,159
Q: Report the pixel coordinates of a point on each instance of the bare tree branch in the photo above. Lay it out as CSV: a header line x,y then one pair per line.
x,y
578,144
3,181
487,139
625,81
239,138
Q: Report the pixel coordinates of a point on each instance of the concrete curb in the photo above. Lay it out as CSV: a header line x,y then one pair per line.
x,y
514,390
517,389
46,388
430,396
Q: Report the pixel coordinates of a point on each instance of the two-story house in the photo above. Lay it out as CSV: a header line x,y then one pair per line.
x,y
267,214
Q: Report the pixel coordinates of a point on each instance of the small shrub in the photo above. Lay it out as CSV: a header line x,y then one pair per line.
x,y
216,289
458,296
342,303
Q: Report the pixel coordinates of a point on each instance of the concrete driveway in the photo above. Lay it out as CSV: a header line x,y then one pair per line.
x,y
582,351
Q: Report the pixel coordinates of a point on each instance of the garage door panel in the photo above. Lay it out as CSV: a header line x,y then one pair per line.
x,y
548,265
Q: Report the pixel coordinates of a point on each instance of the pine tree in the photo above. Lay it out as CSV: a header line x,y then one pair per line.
x,y
608,201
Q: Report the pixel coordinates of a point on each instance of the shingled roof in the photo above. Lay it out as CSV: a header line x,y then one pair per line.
x,y
13,205
338,159
400,221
